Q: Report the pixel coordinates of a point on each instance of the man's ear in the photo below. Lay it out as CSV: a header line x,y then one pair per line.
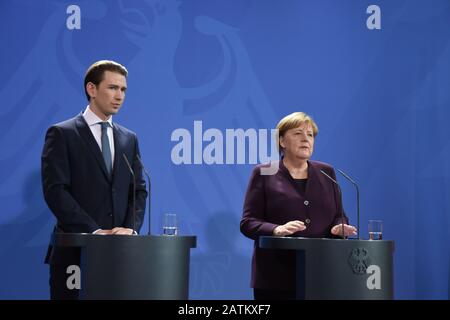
x,y
91,89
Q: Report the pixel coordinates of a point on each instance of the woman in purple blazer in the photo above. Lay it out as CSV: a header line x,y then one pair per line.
x,y
298,200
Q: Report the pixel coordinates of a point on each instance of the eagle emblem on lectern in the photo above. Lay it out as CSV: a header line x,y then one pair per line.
x,y
359,260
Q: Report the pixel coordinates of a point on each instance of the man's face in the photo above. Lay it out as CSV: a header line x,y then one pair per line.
x,y
107,97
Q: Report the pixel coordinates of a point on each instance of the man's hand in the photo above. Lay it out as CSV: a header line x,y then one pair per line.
x,y
119,230
289,228
102,231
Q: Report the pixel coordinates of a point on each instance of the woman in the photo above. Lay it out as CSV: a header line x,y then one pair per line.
x,y
298,200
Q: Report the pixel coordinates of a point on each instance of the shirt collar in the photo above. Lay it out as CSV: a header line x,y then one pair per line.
x,y
286,171
91,118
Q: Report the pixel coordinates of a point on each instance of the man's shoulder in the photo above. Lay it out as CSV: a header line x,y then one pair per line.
x,y
123,130
67,124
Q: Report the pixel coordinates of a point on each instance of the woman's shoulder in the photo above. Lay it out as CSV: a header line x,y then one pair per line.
x,y
267,164
267,169
319,165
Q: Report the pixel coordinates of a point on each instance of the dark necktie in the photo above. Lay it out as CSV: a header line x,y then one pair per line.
x,y
106,149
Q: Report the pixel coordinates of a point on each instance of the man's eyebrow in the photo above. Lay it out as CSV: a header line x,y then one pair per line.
x,y
117,86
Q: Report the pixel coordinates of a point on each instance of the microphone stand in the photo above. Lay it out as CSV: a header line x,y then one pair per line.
x,y
134,191
357,195
149,193
340,195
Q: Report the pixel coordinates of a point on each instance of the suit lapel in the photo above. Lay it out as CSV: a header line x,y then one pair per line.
x,y
310,183
86,134
119,149
288,176
312,179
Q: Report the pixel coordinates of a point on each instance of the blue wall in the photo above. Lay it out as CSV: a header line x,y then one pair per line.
x,y
381,99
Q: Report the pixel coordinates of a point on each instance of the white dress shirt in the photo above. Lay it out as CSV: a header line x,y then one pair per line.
x,y
93,122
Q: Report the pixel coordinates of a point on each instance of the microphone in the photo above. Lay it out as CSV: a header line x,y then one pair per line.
x,y
357,195
134,191
149,193
340,194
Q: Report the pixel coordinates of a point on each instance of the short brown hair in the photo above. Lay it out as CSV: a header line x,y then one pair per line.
x,y
96,71
295,120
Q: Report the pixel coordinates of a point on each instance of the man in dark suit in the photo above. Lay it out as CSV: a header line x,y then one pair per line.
x,y
86,182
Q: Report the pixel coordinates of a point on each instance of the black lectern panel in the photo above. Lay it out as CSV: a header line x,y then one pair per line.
x,y
132,267
339,269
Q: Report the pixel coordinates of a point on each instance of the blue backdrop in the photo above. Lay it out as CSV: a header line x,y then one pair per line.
x,y
376,82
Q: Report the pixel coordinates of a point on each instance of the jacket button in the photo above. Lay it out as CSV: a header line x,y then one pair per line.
x,y
110,214
306,202
307,221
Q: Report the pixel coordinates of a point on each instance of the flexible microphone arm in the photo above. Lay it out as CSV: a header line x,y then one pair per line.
x,y
357,195
340,195
134,191
149,193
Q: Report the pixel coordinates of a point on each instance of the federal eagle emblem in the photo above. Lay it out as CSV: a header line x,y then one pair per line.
x,y
359,260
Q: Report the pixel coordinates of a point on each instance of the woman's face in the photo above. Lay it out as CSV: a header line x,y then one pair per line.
x,y
298,142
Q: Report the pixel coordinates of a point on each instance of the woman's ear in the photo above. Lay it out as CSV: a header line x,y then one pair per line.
x,y
282,142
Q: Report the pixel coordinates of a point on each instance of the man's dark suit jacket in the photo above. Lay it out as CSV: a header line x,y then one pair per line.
x,y
273,200
77,188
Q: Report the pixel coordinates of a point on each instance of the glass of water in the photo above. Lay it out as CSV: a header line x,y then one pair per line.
x,y
170,227
375,229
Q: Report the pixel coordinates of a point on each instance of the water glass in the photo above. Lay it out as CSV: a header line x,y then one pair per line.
x,y
375,229
170,227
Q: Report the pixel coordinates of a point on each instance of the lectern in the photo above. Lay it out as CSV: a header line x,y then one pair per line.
x,y
131,267
338,268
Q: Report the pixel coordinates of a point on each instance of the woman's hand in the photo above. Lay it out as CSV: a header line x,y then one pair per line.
x,y
348,230
289,228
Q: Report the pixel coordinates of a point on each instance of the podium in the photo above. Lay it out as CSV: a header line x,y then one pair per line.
x,y
339,269
131,266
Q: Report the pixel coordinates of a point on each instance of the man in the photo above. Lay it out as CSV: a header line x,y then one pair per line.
x,y
86,182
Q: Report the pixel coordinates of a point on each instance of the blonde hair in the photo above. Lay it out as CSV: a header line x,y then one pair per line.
x,y
294,120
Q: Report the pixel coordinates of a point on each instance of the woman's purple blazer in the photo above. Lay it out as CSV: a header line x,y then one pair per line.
x,y
273,200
